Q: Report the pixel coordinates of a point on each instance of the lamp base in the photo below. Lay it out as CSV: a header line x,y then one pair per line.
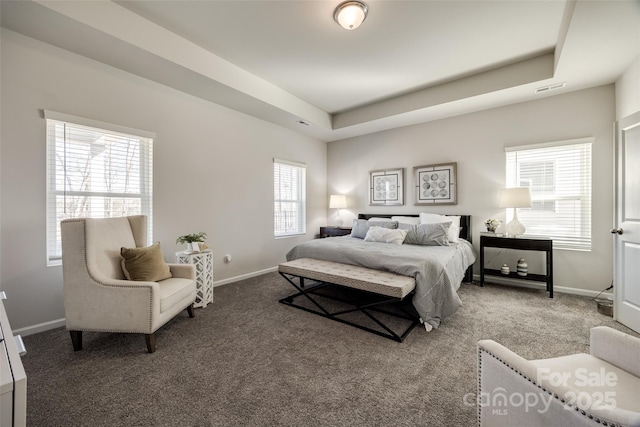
x,y
339,220
514,228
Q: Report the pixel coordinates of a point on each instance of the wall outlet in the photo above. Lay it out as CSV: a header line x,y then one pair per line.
x,y
227,259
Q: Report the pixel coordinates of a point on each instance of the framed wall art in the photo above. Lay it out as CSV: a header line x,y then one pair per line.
x,y
435,184
386,187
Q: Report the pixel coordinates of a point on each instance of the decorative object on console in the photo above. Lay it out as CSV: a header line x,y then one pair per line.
x,y
522,267
338,201
435,184
350,14
195,241
517,197
492,224
505,269
386,187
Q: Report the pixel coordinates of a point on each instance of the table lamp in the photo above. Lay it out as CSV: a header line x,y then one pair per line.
x,y
338,201
517,197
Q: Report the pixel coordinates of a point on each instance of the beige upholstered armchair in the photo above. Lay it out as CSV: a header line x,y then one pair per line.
x,y
98,296
597,389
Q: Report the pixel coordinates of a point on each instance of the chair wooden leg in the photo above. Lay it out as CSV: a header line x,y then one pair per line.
x,y
150,339
76,340
192,313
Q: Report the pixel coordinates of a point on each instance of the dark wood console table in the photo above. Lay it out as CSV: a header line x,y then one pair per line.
x,y
490,240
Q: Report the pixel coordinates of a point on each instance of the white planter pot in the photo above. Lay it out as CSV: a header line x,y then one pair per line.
x,y
194,246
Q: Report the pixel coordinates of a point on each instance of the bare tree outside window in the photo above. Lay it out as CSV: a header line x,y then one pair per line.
x,y
96,173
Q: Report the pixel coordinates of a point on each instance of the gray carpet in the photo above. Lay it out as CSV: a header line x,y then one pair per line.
x,y
247,360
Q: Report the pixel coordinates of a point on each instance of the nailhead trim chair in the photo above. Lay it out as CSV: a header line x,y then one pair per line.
x,y
600,388
97,296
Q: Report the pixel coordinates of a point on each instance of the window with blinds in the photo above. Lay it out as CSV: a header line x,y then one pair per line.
x,y
95,170
289,189
559,175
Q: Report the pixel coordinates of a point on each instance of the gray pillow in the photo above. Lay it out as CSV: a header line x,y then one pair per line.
x,y
361,226
427,234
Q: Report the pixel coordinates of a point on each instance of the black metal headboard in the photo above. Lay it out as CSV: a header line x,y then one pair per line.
x,y
465,222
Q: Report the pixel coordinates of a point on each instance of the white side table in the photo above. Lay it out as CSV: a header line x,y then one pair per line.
x,y
203,261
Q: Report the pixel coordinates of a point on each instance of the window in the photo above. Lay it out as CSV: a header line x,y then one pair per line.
x,y
559,175
290,195
94,170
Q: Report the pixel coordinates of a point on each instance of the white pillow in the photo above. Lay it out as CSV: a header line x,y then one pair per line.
x,y
454,229
385,235
379,219
411,220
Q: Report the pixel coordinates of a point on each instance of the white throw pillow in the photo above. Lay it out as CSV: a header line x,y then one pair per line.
x,y
411,220
379,219
454,229
385,235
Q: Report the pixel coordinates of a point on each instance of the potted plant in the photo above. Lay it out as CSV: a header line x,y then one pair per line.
x,y
492,224
193,240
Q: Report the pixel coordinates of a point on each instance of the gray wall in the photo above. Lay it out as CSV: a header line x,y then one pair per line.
x,y
476,142
212,170
212,167
628,91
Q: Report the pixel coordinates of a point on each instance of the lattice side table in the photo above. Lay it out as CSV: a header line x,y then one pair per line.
x,y
203,261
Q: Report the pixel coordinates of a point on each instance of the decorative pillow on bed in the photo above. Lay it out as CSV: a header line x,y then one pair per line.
x,y
361,226
427,234
385,235
411,220
144,264
454,229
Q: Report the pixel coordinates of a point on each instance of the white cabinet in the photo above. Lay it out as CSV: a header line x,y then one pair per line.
x,y
203,261
13,380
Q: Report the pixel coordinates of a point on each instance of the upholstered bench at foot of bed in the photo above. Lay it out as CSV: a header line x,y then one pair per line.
x,y
351,276
389,287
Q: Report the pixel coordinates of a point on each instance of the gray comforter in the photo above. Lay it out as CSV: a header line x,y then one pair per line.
x,y
438,270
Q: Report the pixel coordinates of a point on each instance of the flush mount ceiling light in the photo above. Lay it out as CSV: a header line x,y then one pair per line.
x,y
350,14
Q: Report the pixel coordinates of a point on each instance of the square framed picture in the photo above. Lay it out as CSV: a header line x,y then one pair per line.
x,y
435,184
386,187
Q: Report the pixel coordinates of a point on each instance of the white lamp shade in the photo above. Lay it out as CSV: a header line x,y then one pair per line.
x,y
517,197
350,14
337,201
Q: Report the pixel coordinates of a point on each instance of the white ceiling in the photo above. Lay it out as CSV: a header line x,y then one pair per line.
x,y
288,61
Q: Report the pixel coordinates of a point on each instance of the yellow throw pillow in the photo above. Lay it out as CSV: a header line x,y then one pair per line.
x,y
144,264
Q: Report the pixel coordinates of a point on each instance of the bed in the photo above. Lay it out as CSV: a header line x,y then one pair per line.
x,y
438,270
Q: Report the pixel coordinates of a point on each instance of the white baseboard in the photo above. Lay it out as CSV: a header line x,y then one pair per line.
x,y
561,289
41,327
244,276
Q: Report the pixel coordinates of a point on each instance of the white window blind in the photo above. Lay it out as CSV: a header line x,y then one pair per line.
x,y
289,189
95,170
559,175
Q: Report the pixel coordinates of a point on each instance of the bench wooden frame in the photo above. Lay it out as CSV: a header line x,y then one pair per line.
x,y
365,290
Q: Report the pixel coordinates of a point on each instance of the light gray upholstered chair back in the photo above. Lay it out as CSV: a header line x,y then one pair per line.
x,y
105,237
